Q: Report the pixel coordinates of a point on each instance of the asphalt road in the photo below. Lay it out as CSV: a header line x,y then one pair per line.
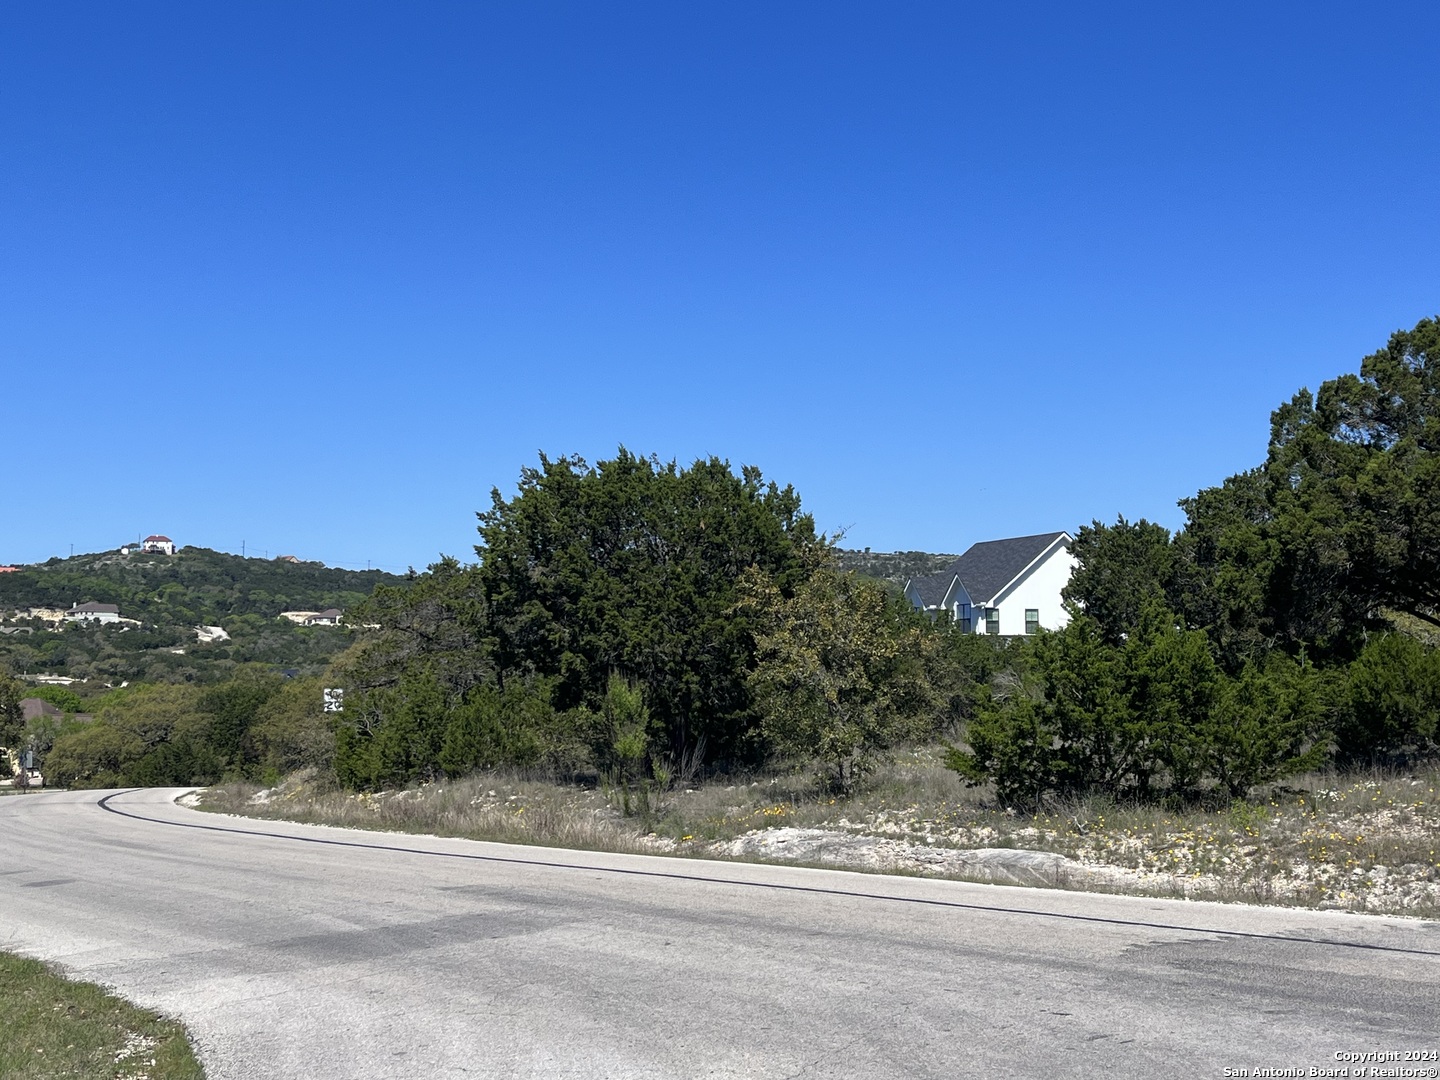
x,y
304,952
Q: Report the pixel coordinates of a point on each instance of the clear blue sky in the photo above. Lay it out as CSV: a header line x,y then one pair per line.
x,y
316,277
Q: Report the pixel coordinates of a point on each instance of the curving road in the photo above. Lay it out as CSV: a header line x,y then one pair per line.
x,y
305,952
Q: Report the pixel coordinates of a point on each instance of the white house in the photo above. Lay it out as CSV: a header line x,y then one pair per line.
x,y
158,545
101,613
328,617
1002,587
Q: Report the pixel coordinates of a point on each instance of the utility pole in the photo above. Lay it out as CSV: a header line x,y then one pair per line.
x,y
242,549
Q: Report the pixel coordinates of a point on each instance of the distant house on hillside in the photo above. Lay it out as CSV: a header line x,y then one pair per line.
x,y
158,545
328,617
34,708
1001,587
286,558
9,569
101,613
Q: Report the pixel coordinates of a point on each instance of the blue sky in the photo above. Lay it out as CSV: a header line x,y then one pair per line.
x,y
316,277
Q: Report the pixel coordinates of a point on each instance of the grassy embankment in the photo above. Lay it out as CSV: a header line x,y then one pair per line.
x,y
52,1027
1357,842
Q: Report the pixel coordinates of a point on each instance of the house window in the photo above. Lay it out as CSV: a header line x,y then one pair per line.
x,y
992,620
967,619
1032,620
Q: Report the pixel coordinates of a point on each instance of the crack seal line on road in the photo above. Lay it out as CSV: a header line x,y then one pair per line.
x,y
104,804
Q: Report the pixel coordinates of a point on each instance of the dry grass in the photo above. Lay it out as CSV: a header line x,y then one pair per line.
x,y
1364,843
491,806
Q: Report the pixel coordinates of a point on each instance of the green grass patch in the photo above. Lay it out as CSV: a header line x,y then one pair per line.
x,y
52,1027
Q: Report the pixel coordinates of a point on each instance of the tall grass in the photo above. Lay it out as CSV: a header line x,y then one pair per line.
x,y
490,806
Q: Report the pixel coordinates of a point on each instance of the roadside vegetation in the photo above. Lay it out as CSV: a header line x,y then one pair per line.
x,y
647,635
51,1027
1363,842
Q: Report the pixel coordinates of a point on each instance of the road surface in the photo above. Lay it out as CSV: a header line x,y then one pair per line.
x,y
306,952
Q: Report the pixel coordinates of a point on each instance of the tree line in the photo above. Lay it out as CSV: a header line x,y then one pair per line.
x,y
256,725
1290,623
195,585
638,621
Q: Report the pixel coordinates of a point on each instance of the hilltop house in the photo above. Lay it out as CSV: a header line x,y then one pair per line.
x,y
101,613
1001,587
158,545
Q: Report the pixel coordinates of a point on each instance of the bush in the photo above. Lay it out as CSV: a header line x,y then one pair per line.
x,y
837,675
1267,724
1391,702
291,730
92,756
1068,732
392,736
1152,718
515,727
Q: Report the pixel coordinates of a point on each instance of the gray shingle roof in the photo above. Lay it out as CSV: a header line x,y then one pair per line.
x,y
988,567
33,707
931,588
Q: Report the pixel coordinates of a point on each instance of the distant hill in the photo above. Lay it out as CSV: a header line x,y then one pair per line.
x,y
195,585
894,567
168,596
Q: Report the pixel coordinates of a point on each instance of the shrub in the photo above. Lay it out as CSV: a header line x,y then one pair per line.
x,y
1148,719
1267,724
836,676
1392,700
